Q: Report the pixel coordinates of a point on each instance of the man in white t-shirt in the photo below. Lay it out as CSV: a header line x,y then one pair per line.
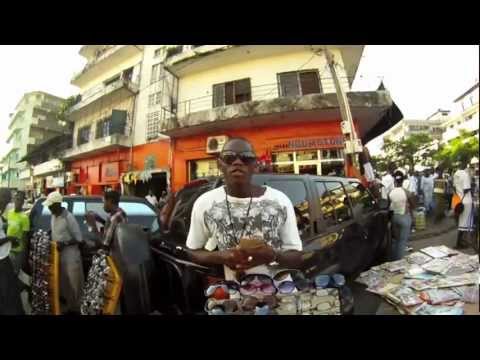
x,y
223,216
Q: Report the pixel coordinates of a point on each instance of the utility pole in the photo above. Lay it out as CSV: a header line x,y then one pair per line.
x,y
344,110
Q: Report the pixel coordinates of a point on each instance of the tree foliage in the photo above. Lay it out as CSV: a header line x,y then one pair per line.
x,y
403,152
464,147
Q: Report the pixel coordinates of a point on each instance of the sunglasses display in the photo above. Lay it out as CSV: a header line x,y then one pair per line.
x,y
45,298
288,292
102,287
229,157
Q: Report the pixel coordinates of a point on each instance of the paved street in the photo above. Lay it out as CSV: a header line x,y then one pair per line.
x,y
367,303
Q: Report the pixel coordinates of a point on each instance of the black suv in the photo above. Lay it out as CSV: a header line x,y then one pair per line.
x,y
342,226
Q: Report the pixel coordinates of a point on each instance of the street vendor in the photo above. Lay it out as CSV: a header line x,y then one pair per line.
x,y
224,217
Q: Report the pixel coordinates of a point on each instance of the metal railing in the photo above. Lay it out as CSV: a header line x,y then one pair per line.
x,y
101,90
258,93
101,55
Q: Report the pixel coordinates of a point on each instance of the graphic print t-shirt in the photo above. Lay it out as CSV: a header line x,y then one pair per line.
x,y
271,217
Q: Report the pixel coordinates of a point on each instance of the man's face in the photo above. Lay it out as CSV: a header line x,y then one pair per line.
x,y
237,162
19,201
107,205
55,209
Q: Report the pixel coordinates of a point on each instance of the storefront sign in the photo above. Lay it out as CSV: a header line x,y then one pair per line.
x,y
110,172
58,181
312,143
47,167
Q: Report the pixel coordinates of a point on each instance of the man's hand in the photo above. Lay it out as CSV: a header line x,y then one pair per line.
x,y
235,258
259,256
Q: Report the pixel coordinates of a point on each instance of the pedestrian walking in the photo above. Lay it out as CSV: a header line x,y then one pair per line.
x,y
18,227
462,184
66,233
10,301
402,205
449,190
427,189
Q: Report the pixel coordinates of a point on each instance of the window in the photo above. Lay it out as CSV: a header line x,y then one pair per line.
x,y
112,80
155,99
97,207
103,128
174,51
297,193
233,92
83,135
157,73
333,202
203,168
78,208
159,52
153,125
362,200
297,83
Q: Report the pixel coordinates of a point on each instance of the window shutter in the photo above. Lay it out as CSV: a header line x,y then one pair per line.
x,y
289,84
309,82
218,95
118,122
229,93
242,91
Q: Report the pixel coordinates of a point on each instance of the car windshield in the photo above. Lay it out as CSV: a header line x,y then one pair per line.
x,y
46,210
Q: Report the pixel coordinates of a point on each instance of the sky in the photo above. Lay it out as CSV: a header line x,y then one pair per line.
x,y
421,79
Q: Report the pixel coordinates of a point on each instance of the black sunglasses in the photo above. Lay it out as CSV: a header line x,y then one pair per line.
x,y
229,157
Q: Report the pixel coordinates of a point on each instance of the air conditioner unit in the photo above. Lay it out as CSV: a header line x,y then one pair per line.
x,y
215,143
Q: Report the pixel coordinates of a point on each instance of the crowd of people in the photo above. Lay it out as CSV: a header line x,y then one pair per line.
x,y
65,231
437,193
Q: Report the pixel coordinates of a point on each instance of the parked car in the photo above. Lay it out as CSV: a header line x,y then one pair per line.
x,y
342,226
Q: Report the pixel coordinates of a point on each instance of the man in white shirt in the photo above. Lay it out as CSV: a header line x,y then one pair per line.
x,y
463,188
388,182
427,189
10,301
239,210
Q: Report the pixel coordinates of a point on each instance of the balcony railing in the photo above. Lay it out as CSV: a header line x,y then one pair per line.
x,y
258,93
99,91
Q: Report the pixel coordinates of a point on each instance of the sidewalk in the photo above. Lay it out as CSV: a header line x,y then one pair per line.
x,y
434,229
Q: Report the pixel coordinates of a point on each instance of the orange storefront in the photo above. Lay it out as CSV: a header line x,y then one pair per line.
x,y
92,175
295,148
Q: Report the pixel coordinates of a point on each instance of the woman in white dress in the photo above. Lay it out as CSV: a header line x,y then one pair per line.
x,y
462,184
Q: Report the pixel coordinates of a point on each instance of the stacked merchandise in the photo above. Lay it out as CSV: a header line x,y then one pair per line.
x,y
284,294
433,281
102,288
45,275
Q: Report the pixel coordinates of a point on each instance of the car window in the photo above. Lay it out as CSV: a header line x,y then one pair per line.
x,y
297,193
139,209
46,210
334,202
96,207
78,208
360,197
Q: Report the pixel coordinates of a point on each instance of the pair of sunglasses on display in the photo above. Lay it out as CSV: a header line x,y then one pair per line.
x,y
229,157
300,282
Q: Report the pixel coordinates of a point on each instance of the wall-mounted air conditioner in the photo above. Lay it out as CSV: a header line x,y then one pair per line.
x,y
215,143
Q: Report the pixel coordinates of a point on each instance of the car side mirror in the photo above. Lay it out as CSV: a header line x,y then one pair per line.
x,y
382,204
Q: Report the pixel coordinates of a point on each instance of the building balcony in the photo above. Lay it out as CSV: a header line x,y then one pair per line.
x,y
102,59
43,123
102,92
206,57
17,120
98,146
373,111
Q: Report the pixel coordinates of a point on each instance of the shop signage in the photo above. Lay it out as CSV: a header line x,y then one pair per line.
x,y
110,172
312,143
150,162
58,181
48,167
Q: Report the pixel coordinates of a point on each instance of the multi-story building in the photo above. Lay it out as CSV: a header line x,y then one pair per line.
x,y
406,127
465,115
104,117
34,122
280,97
